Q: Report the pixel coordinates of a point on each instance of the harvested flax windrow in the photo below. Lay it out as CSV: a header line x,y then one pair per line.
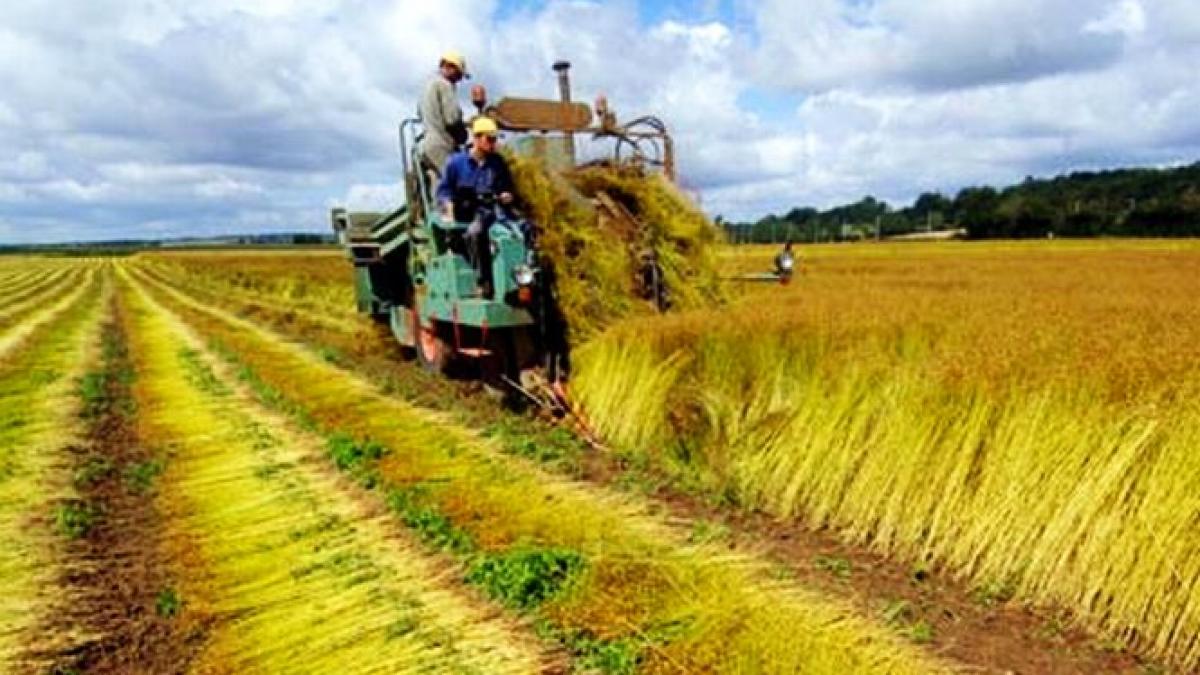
x,y
595,224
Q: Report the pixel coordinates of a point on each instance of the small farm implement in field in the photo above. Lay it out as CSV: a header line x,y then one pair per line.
x,y
785,265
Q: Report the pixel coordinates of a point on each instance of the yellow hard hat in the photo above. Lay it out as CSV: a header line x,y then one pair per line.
x,y
455,59
484,126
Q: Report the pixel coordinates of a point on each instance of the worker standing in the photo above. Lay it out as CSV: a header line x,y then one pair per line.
x,y
445,131
785,263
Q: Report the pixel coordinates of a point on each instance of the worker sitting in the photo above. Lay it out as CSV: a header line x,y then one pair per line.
x,y
471,178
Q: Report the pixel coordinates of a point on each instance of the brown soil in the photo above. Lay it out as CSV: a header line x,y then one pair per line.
x,y
976,632
115,588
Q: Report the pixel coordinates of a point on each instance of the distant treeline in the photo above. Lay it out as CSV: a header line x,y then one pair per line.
x,y
127,246
1119,203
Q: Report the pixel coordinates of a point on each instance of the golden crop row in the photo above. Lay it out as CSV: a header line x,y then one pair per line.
x,y
40,357
293,574
276,570
320,281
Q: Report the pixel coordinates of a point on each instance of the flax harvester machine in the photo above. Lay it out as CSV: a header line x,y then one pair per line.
x,y
412,273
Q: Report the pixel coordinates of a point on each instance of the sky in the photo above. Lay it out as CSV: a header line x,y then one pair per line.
x,y
169,118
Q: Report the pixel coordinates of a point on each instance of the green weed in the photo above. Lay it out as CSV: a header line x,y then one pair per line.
x,y
167,603
525,577
617,657
139,477
267,395
994,592
897,612
356,457
93,392
557,448
329,354
94,387
75,518
1114,645
411,503
592,654
901,615
920,632
1055,626
838,567
638,482
200,374
708,531
94,470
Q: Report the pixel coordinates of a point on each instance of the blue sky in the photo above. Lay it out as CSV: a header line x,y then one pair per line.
x,y
173,118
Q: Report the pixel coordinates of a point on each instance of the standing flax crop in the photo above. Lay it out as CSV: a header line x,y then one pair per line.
x,y
1027,414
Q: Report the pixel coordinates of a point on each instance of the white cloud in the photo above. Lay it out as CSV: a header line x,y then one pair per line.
x,y
927,44
1126,17
193,118
900,96
378,197
24,166
224,187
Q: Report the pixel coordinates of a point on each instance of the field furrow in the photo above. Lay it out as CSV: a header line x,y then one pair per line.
x,y
113,608
37,423
617,582
292,575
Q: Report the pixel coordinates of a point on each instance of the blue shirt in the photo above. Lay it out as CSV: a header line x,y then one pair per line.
x,y
463,173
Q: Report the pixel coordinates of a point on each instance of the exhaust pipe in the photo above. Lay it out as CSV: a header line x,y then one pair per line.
x,y
564,95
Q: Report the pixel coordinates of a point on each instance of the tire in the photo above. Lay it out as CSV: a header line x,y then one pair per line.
x,y
433,353
501,370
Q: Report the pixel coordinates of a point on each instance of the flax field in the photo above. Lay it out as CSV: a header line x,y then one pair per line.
x,y
914,458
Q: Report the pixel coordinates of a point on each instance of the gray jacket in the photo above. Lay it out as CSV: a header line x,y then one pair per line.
x,y
443,121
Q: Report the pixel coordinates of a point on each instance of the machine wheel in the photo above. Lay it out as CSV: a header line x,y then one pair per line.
x,y
501,370
434,354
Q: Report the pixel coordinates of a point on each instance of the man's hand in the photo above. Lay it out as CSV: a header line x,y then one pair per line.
x,y
506,198
448,212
